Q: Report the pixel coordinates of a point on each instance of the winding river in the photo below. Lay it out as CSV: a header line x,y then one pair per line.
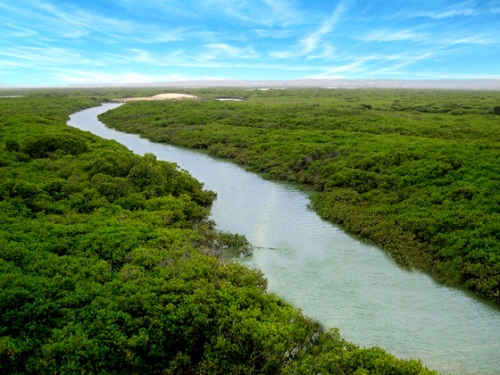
x,y
331,276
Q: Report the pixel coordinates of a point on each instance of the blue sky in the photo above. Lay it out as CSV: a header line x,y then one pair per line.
x,y
64,42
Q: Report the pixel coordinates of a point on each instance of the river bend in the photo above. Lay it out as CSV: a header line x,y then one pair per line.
x,y
331,276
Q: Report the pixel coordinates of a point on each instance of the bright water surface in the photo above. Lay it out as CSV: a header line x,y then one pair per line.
x,y
332,277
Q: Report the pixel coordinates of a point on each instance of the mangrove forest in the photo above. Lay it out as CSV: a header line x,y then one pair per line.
x,y
109,263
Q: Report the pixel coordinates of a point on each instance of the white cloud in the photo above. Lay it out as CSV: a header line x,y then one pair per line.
x,y
211,53
401,61
314,41
374,65
186,9
473,39
74,22
276,34
450,13
56,23
143,57
256,12
35,55
242,37
221,49
394,36
444,38
468,8
15,31
135,56
355,65
284,12
327,53
311,42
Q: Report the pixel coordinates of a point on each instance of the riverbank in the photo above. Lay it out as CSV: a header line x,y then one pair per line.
x,y
411,171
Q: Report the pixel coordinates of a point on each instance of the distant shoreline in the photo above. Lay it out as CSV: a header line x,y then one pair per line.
x,y
438,84
466,84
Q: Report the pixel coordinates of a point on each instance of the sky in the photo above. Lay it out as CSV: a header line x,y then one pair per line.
x,y
81,42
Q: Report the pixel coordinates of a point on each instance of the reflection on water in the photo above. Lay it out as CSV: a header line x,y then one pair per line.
x,y
332,277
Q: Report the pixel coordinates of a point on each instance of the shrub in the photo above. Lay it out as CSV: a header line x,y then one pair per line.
x,y
12,145
44,145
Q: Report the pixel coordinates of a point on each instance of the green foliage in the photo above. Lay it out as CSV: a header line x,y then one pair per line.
x,y
414,171
11,145
109,265
43,146
331,354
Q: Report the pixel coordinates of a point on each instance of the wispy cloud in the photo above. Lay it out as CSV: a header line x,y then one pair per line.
x,y
479,39
206,57
276,34
438,15
209,56
221,50
267,13
395,36
314,41
137,40
15,31
48,56
396,62
284,13
188,9
464,9
57,23
374,65
311,42
352,65
327,53
452,37
78,22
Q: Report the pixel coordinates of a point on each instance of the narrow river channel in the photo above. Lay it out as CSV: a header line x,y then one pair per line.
x,y
331,276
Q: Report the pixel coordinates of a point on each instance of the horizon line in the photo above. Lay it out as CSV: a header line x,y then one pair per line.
x,y
333,83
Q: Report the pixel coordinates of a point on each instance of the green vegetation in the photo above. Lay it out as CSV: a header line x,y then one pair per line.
x,y
415,172
109,265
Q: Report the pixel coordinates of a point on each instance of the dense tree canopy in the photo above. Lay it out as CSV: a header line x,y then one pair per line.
x,y
109,265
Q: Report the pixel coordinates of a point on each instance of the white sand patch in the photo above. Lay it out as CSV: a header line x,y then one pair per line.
x,y
170,96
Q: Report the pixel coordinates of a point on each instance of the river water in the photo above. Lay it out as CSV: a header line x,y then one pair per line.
x,y
331,276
